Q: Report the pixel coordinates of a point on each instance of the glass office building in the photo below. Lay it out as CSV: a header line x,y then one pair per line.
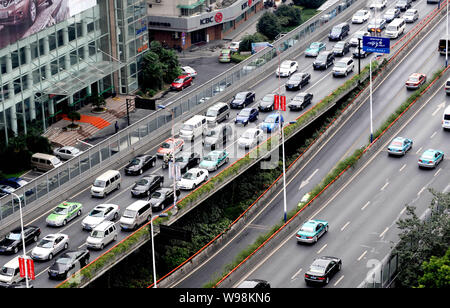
x,y
73,49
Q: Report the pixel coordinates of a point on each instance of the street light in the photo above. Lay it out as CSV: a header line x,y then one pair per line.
x,y
153,244
173,158
371,116
23,239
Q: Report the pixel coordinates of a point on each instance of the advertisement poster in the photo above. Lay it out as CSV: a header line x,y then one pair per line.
x,y
20,19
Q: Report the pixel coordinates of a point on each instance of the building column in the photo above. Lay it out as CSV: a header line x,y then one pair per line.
x,y
32,108
46,46
13,117
51,107
8,63
28,54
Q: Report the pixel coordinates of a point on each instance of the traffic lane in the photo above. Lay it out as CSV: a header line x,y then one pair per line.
x,y
371,182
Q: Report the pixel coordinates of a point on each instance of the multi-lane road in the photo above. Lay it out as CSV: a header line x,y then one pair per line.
x,y
423,59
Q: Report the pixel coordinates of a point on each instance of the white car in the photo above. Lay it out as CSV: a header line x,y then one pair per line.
x,y
187,70
411,15
358,35
234,46
360,17
100,213
192,178
287,68
49,246
378,4
66,152
343,67
250,138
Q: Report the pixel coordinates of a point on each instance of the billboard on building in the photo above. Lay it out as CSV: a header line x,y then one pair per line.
x,y
19,19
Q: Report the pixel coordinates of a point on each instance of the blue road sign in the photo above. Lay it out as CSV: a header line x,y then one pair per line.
x,y
376,44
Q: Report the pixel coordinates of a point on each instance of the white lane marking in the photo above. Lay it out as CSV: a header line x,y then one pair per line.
x,y
384,186
339,280
296,274
403,167
434,134
421,191
385,230
437,172
439,107
348,222
306,182
402,211
419,150
368,202
362,255
323,247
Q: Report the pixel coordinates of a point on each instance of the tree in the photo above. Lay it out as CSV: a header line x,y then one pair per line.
x,y
289,15
436,272
98,102
74,116
169,61
247,40
309,4
269,25
152,71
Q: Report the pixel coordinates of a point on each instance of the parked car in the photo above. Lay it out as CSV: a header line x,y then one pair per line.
x,y
14,182
246,115
376,25
218,136
431,158
300,101
99,214
391,14
271,123
250,138
192,179
354,40
14,13
311,231
314,49
287,68
50,246
225,55
254,284
145,186
403,5
399,146
322,270
411,15
416,80
267,102
189,71
343,67
181,82
214,159
361,16
170,146
187,161
324,60
341,48
64,213
297,81
66,152
242,99
162,197
12,242
139,164
234,46
68,263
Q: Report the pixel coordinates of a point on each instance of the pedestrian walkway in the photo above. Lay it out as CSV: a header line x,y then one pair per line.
x,y
96,121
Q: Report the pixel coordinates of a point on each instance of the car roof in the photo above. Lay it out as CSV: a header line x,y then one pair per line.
x,y
104,225
416,74
136,205
52,236
105,206
182,76
67,204
164,189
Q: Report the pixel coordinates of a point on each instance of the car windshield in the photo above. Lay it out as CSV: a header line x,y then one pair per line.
x,y
189,176
135,162
248,135
142,182
97,213
183,158
340,64
409,13
296,78
167,145
211,113
314,45
413,79
286,65
339,45
129,213
397,143
60,210
64,260
307,228
244,112
360,13
391,28
428,156
98,183
211,157
157,195
13,236
178,80
211,133
268,98
44,243
321,57
7,271
390,12
97,234
270,120
240,96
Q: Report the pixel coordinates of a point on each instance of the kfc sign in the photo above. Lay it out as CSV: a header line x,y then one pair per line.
x,y
216,18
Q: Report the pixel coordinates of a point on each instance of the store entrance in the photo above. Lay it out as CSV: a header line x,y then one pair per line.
x,y
198,37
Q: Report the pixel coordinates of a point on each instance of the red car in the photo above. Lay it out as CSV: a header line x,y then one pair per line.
x,y
181,82
167,147
416,80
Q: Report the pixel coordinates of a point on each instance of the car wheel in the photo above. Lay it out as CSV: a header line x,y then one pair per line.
x,y
102,246
116,216
66,245
50,256
339,266
79,213
140,171
148,193
326,229
327,280
64,222
315,239
153,163
118,186
16,250
35,239
115,238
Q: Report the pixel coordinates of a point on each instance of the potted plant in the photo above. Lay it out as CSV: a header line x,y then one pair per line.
x,y
98,104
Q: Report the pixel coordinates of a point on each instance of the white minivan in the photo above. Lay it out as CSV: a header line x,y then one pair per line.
x,y
396,28
10,272
102,235
193,127
136,214
106,183
446,118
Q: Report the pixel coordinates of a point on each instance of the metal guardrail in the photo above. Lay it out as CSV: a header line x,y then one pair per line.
x,y
80,169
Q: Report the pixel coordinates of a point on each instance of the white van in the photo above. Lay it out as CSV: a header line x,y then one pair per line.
x,y
447,86
102,235
446,118
106,183
10,272
136,214
193,127
44,162
396,28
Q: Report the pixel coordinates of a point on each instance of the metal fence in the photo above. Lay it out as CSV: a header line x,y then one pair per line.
x,y
94,160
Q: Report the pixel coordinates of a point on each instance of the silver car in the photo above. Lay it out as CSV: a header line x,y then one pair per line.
x,y
66,152
49,246
100,213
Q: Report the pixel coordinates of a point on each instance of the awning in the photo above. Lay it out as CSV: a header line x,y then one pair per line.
x,y
190,6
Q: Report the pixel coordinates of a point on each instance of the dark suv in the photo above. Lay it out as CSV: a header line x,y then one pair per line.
x,y
338,32
324,60
13,12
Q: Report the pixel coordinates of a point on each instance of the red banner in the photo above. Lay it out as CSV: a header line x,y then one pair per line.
x,y
276,102
283,103
30,268
22,267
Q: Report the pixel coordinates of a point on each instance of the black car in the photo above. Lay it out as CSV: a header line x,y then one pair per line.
x,y
140,163
391,14
68,263
12,243
187,161
360,54
338,32
146,185
341,48
267,103
322,270
297,81
162,197
242,99
323,60
300,101
254,284
403,5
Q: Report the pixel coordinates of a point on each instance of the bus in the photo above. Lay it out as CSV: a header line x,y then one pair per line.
x,y
442,45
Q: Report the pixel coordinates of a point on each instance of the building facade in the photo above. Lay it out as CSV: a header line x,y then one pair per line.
x,y
183,23
63,52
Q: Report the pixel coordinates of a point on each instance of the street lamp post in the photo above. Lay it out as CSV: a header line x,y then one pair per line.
x,y
23,239
371,91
